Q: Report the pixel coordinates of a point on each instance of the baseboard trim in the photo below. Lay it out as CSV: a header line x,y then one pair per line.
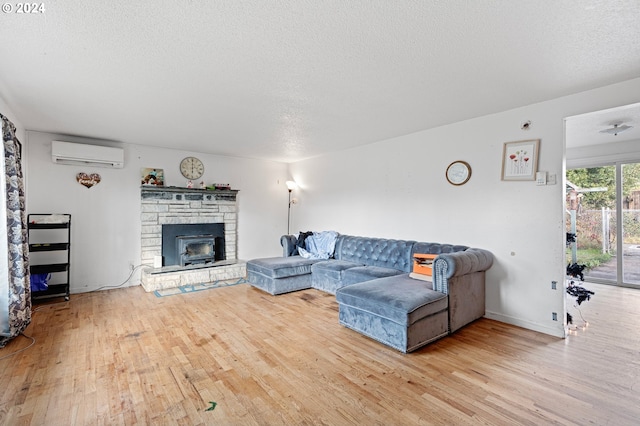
x,y
558,331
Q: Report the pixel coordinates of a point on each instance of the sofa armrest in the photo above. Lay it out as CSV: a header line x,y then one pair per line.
x,y
461,275
288,243
448,265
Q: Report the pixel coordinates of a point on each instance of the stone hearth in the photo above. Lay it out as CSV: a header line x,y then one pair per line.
x,y
163,278
171,205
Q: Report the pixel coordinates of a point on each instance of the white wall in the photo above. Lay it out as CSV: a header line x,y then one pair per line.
x,y
106,217
396,188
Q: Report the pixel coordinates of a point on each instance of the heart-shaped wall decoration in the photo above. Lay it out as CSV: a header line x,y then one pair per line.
x,y
88,180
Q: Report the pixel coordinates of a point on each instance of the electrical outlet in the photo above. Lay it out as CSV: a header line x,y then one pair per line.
x,y
552,179
554,285
554,316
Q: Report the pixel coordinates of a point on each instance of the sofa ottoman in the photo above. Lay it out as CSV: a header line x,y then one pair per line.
x,y
278,275
399,311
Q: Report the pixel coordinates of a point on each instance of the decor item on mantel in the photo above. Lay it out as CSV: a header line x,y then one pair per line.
x,y
88,180
219,187
152,176
520,160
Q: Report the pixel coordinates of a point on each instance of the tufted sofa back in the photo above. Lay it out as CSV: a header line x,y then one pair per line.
x,y
437,248
385,253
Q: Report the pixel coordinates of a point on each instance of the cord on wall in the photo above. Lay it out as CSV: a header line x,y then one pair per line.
x,y
133,271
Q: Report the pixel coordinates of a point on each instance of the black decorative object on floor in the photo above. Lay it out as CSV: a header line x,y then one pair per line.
x,y
576,271
580,293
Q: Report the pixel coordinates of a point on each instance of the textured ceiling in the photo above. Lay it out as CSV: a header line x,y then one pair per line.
x,y
292,79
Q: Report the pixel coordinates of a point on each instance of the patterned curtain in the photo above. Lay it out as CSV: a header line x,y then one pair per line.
x,y
15,289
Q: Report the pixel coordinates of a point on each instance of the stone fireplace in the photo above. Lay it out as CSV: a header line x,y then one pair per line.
x,y
193,231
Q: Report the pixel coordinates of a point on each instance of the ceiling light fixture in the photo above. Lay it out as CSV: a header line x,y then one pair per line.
x,y
617,128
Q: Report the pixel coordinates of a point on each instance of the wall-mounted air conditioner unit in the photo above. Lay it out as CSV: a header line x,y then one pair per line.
x,y
86,155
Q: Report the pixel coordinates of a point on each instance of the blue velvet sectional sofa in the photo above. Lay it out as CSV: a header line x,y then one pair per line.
x,y
375,294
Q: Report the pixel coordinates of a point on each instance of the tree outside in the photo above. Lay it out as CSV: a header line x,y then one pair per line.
x,y
594,191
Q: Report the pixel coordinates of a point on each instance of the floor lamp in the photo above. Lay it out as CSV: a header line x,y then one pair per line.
x,y
291,185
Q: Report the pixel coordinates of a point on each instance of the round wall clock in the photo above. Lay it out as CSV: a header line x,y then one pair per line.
x,y
192,168
458,172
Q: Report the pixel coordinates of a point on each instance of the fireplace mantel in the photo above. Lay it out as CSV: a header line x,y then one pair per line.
x,y
174,205
165,192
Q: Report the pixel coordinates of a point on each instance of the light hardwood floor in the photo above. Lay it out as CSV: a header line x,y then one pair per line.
x,y
128,357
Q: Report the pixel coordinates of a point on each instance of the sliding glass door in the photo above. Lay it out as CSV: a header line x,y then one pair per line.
x,y
603,211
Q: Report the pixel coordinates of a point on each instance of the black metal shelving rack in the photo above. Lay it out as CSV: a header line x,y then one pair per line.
x,y
60,289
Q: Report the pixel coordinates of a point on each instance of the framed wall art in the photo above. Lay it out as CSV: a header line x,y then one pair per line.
x,y
152,177
520,160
